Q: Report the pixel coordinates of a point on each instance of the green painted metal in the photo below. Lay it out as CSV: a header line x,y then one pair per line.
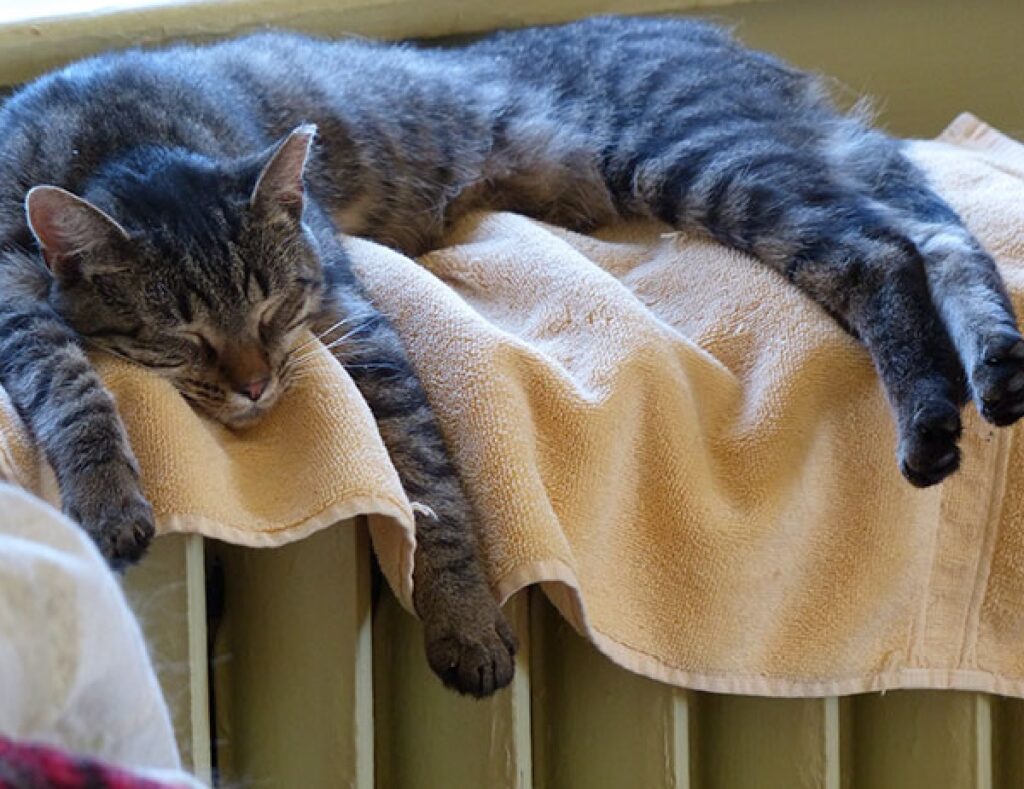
x,y
909,739
597,726
306,697
292,679
166,593
428,737
758,742
1008,743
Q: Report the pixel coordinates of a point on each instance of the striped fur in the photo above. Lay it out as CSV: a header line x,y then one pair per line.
x,y
207,239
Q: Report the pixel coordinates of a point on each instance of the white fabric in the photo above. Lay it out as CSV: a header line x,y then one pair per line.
x,y
74,670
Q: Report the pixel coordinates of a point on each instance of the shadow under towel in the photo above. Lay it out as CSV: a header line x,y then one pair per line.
x,y
691,457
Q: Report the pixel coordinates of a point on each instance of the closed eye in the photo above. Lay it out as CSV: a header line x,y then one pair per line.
x,y
130,348
205,346
286,314
157,359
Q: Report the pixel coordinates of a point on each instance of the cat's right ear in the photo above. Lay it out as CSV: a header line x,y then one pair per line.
x,y
68,228
279,188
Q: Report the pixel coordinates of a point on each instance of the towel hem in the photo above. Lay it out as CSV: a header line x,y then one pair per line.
x,y
347,510
560,586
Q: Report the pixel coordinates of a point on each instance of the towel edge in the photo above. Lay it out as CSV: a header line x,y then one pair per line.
x,y
560,585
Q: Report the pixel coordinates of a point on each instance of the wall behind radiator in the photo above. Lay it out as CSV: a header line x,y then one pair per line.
x,y
925,60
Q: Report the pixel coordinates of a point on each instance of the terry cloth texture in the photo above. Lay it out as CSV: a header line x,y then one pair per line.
x,y
696,463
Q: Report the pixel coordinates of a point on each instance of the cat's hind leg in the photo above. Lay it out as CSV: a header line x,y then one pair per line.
x,y
780,204
962,277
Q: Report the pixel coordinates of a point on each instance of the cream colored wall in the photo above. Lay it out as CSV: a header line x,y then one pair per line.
x,y
926,60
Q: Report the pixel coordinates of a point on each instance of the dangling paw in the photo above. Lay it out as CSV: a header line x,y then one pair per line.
x,y
928,450
998,379
109,504
472,648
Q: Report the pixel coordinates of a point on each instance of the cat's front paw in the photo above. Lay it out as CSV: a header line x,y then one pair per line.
x,y
997,380
472,648
928,451
109,505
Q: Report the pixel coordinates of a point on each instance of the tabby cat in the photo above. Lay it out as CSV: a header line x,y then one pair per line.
x,y
181,208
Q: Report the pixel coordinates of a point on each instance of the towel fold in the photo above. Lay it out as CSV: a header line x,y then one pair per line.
x,y
696,463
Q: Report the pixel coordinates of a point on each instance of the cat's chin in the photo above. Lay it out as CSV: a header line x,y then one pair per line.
x,y
237,418
238,413
244,419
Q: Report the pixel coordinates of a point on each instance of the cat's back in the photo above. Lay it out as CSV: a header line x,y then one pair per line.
x,y
601,42
181,95
623,57
224,99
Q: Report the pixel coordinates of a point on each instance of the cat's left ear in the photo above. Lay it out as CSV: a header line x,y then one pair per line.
x,y
73,234
279,187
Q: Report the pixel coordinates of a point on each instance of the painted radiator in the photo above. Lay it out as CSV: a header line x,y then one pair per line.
x,y
318,680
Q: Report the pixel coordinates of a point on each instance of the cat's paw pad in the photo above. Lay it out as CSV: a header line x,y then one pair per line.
x,y
125,532
113,511
998,379
928,448
475,656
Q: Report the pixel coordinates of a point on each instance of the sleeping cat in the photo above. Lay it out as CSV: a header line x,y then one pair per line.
x,y
180,209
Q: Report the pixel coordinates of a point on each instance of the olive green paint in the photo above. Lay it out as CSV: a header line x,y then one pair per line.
x,y
166,593
293,674
428,737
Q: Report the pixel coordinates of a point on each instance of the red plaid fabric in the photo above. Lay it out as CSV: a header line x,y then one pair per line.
x,y
27,766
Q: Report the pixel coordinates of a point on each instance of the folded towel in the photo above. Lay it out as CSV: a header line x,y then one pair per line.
x,y
693,460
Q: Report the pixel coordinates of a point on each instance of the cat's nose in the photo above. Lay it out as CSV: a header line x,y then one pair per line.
x,y
254,389
245,367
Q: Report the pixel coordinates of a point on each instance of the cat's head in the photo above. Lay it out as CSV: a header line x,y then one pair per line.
x,y
200,270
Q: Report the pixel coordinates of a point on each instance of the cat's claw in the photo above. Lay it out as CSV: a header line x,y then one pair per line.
x,y
998,379
928,449
474,656
111,508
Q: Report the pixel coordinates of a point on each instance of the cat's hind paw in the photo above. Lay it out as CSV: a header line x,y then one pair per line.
x,y
928,450
998,379
473,654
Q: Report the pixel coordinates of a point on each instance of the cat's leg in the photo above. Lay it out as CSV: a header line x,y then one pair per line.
x,y
469,644
73,418
779,205
964,281
972,300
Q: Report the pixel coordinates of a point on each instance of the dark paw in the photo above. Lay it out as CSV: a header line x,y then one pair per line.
x,y
928,451
111,508
473,653
998,379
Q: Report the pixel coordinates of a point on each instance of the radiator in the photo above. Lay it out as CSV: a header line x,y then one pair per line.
x,y
316,678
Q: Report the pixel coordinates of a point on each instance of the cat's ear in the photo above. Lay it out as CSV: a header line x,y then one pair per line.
x,y
279,187
69,228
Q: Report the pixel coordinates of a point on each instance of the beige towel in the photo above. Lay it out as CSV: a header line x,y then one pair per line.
x,y
697,464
